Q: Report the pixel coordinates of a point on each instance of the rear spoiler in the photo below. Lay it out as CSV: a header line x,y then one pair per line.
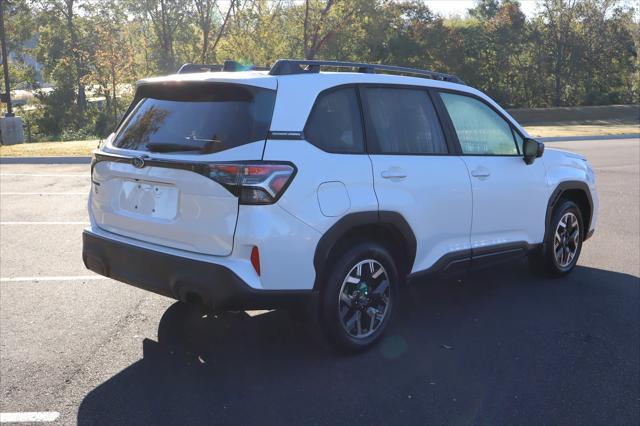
x,y
227,66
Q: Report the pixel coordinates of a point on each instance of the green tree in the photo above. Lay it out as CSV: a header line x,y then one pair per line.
x,y
19,29
112,56
211,19
322,20
485,9
168,21
559,17
63,15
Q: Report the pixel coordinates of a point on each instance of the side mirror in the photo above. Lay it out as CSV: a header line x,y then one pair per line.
x,y
532,150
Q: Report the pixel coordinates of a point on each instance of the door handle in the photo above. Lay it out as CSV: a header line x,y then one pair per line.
x,y
481,173
393,174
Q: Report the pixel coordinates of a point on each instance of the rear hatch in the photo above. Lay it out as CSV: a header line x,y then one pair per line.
x,y
158,177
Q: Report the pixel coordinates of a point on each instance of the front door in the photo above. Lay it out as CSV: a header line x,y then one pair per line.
x,y
509,196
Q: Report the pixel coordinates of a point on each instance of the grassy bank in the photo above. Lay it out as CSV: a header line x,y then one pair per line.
x,y
50,149
560,130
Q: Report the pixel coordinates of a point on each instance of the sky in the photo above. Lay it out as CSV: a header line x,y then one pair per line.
x,y
459,7
449,8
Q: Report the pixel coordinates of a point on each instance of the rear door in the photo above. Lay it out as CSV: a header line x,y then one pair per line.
x,y
161,177
414,172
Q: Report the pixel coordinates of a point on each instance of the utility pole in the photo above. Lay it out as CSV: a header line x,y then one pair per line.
x,y
5,62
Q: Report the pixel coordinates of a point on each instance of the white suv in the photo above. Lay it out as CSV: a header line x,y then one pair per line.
x,y
295,188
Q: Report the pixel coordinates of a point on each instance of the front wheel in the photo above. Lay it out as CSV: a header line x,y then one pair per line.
x,y
564,240
359,296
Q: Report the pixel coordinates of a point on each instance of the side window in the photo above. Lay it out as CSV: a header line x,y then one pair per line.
x,y
480,129
401,121
335,124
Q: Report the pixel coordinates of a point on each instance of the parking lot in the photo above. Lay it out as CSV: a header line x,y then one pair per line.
x,y
500,346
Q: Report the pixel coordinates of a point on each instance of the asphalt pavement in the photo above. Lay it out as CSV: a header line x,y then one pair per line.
x,y
501,346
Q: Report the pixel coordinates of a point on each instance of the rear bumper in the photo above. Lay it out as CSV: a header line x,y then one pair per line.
x,y
216,286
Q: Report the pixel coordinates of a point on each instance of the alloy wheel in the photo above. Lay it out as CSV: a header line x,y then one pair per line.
x,y
566,240
365,298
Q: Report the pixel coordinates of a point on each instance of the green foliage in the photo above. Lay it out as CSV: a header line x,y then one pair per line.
x,y
573,52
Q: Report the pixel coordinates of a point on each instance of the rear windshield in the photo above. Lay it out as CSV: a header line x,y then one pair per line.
x,y
201,118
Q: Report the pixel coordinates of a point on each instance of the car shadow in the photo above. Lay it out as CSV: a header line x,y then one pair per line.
x,y
498,346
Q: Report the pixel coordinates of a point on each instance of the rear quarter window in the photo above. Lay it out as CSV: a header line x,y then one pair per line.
x,y
202,118
335,123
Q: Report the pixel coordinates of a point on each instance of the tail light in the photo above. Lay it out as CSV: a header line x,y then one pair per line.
x,y
256,182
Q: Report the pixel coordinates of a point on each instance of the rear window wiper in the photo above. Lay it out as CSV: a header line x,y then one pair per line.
x,y
200,147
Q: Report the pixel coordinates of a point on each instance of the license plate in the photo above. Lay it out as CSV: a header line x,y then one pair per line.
x,y
151,199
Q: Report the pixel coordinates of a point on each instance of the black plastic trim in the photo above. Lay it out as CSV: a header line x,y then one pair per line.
x,y
353,220
445,122
466,260
457,261
588,235
500,253
557,194
200,168
178,277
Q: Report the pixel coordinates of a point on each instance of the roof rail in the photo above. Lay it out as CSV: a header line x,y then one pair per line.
x,y
227,66
295,66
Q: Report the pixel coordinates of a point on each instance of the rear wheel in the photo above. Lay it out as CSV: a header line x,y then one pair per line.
x,y
359,296
563,242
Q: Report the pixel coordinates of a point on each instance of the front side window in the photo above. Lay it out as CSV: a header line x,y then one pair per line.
x,y
202,119
401,121
335,124
480,130
519,142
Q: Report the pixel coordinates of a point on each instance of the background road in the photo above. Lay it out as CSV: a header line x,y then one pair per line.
x,y
501,346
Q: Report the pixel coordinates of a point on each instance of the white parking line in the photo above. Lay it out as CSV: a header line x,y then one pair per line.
x,y
44,174
36,416
61,278
46,223
258,312
45,193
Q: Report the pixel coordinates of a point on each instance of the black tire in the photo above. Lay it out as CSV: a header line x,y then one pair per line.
x,y
333,307
547,262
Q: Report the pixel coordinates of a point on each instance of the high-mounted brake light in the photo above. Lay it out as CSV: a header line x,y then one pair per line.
x,y
256,182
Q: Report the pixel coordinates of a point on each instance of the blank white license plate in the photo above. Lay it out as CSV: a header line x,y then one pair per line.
x,y
152,199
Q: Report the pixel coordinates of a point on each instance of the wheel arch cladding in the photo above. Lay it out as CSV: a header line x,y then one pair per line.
x,y
389,229
575,191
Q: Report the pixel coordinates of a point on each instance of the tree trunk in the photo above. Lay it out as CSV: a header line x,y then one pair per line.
x,y
114,91
82,99
305,39
205,46
222,27
557,86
